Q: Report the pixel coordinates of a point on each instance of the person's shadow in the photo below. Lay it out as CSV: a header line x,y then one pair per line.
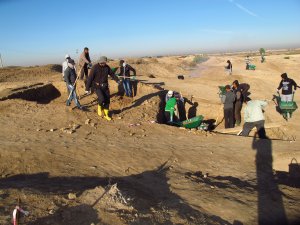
x,y
193,110
270,204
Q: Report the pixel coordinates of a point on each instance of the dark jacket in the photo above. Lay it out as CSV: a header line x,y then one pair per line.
x,y
228,100
98,76
126,71
287,86
229,66
241,92
70,76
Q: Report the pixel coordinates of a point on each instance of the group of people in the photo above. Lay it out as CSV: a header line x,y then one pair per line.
x,y
237,94
96,79
233,100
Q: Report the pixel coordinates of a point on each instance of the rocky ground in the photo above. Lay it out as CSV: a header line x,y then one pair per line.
x,y
67,166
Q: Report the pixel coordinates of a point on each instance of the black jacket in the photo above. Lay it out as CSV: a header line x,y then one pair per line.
x,y
126,71
99,76
287,86
70,76
229,66
241,91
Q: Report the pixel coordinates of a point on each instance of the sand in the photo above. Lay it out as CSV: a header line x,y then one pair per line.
x,y
134,170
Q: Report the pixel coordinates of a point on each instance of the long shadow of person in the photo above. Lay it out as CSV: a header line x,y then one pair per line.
x,y
270,204
193,110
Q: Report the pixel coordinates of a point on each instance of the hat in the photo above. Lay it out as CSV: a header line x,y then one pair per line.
x,y
67,56
71,63
170,93
103,59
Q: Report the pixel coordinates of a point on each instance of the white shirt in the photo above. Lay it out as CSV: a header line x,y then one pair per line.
x,y
64,67
253,111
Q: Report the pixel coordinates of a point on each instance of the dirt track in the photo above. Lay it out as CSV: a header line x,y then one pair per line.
x,y
156,167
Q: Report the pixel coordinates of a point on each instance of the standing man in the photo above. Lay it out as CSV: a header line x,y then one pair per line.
x,y
125,74
248,62
243,88
84,62
229,67
65,64
228,100
287,85
241,92
98,78
70,77
254,117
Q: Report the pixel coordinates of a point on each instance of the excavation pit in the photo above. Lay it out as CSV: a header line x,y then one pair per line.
x,y
40,93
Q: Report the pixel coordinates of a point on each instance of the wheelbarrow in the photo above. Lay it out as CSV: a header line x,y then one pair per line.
x,y
286,109
250,67
190,123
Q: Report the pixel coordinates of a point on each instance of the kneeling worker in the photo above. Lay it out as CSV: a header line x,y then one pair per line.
x,y
98,78
170,109
254,117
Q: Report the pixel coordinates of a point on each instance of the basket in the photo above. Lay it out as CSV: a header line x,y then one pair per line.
x,y
294,169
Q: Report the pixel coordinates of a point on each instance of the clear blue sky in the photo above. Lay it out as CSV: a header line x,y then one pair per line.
x,y
43,31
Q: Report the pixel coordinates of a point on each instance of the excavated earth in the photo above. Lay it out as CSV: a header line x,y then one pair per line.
x,y
66,166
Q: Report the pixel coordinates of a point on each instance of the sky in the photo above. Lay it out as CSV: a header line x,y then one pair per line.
x,y
34,32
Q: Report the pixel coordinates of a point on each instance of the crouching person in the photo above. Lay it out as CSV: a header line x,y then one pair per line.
x,y
98,78
70,77
170,110
254,117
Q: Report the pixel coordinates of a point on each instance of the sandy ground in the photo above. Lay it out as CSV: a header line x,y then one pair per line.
x,y
71,167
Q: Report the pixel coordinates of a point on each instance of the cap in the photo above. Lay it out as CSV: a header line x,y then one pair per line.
x,y
67,56
71,61
103,59
170,93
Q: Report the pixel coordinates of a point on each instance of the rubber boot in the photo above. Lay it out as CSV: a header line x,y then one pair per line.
x,y
99,110
106,116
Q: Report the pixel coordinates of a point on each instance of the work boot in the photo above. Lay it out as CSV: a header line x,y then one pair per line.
x,y
99,110
106,116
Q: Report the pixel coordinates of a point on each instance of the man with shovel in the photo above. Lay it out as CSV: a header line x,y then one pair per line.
x,y
70,77
98,78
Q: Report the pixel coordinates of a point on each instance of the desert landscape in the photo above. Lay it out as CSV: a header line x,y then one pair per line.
x,y
66,166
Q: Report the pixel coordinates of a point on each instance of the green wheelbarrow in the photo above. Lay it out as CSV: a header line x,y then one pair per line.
x,y
222,91
286,109
251,67
190,123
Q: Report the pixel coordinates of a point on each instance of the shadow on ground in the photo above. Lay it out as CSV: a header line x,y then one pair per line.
x,y
150,191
